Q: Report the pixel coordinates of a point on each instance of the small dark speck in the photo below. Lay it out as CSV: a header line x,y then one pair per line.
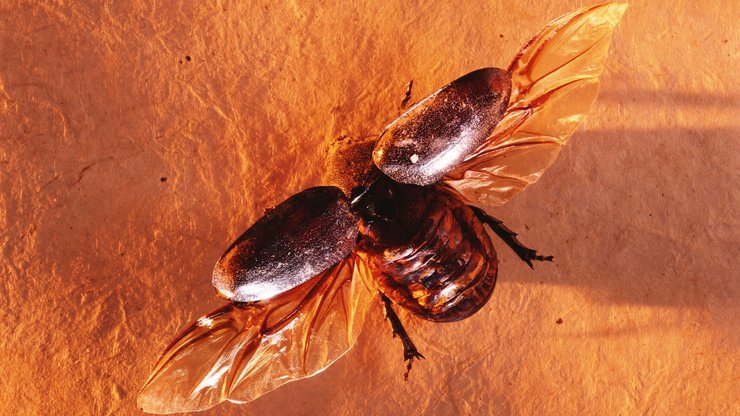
x,y
725,40
559,321
188,58
163,179
662,195
180,60
501,35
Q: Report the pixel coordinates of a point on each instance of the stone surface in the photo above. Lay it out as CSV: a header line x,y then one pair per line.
x,y
137,141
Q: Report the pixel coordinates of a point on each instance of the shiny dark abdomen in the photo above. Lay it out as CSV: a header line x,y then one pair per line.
x,y
445,271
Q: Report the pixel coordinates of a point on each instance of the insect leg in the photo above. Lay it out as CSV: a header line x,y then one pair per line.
x,y
525,253
409,349
407,97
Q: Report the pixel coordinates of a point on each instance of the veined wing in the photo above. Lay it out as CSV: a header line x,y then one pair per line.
x,y
241,351
555,80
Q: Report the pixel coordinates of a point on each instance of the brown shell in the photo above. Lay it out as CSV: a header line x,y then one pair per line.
x,y
436,134
296,240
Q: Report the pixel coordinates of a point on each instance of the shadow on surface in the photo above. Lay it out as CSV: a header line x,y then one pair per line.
x,y
639,217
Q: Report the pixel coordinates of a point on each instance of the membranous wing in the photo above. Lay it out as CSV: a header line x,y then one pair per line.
x,y
242,351
555,80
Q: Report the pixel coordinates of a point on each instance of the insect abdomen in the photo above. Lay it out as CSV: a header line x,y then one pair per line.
x,y
447,269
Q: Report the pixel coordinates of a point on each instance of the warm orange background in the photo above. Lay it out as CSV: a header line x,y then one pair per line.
x,y
103,262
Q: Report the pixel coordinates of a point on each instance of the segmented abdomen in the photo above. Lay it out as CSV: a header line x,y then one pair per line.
x,y
446,271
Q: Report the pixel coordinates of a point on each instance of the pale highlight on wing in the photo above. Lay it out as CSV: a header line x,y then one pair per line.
x,y
238,352
555,80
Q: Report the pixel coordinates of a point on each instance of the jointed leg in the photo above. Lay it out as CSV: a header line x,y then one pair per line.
x,y
409,349
407,97
525,253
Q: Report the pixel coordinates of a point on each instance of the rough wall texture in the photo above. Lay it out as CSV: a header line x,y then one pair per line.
x,y
137,139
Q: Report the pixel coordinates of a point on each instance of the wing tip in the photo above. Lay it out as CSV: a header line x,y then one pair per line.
x,y
613,11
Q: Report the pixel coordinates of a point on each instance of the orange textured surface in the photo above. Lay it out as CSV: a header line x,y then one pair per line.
x,y
137,141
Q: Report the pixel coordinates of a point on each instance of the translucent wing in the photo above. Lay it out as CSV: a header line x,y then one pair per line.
x,y
240,352
555,80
